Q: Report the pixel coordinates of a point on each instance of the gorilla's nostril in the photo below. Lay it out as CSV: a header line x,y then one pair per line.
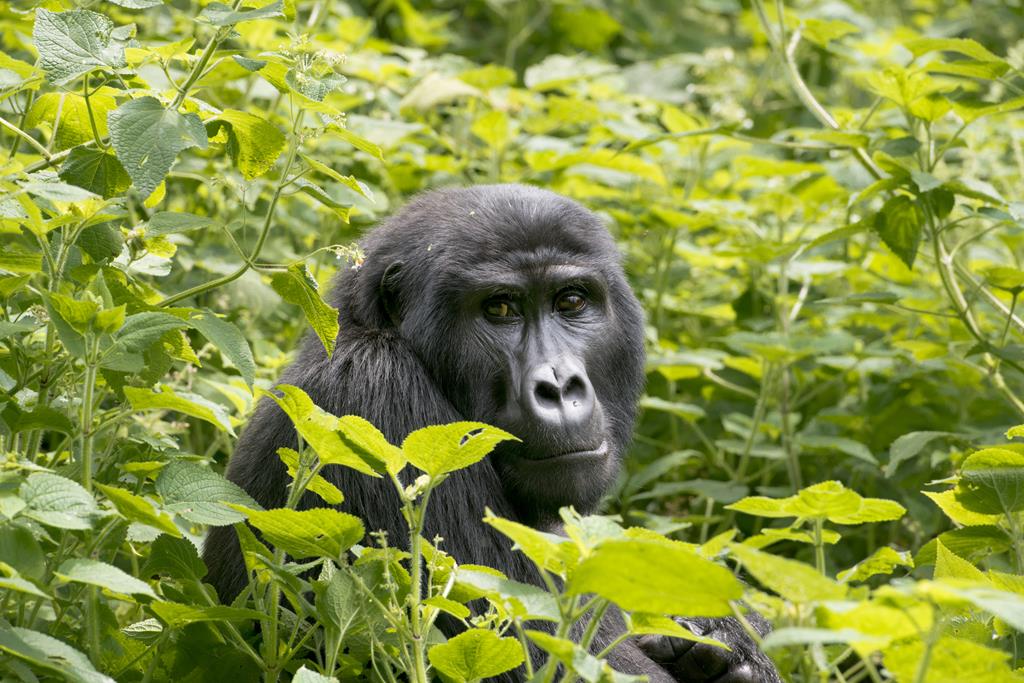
x,y
575,390
547,393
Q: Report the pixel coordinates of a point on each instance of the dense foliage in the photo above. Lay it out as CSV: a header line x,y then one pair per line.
x,y
820,207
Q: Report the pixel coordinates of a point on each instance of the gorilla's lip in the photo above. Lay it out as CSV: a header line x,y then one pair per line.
x,y
587,454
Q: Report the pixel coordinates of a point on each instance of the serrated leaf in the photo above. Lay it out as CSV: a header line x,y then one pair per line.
x,y
318,485
182,402
793,580
548,551
296,286
320,532
253,142
900,224
229,340
319,429
441,449
147,138
138,509
219,14
523,600
50,654
170,222
882,561
201,495
57,501
95,573
69,114
476,654
176,615
348,181
75,42
660,577
95,170
992,481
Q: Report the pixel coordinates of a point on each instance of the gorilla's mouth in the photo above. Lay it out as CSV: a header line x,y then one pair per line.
x,y
598,453
580,456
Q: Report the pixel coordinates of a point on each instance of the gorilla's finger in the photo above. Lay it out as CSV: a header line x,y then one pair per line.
x,y
743,673
701,663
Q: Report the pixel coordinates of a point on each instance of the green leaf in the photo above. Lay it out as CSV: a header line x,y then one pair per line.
x,y
73,43
58,501
909,445
69,114
359,142
104,575
297,286
142,330
147,138
661,577
971,110
219,14
476,654
441,449
320,532
304,675
642,623
101,242
50,654
992,482
138,4
183,402
548,551
827,500
367,442
200,495
228,339
319,429
523,600
794,581
493,128
174,557
348,181
950,565
176,615
882,561
97,171
169,222
964,46
900,224
253,142
318,485
138,509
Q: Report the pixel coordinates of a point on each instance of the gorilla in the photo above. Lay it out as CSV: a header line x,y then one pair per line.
x,y
504,304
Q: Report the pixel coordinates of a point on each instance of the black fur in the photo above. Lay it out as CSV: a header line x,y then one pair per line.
x,y
414,350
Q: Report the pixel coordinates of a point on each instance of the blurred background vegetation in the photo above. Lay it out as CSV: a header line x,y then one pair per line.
x,y
819,205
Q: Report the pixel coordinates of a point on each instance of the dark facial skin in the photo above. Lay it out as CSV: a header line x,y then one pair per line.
x,y
537,329
503,304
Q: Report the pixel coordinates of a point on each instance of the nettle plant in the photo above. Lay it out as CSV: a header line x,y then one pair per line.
x,y
376,607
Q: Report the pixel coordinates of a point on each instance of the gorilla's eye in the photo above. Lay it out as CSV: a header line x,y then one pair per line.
x,y
499,307
570,302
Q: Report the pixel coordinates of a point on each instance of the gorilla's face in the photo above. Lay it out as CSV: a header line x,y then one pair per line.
x,y
526,322
537,334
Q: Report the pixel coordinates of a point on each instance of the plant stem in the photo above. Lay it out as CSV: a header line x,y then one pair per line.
x,y
45,153
264,231
419,639
91,366
819,545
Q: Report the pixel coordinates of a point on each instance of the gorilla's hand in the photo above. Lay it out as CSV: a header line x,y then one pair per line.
x,y
690,661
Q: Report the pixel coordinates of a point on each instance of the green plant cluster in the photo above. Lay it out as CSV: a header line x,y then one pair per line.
x,y
819,205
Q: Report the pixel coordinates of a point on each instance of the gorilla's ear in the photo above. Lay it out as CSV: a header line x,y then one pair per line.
x,y
389,292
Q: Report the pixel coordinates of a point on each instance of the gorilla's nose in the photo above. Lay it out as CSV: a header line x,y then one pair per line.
x,y
559,395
